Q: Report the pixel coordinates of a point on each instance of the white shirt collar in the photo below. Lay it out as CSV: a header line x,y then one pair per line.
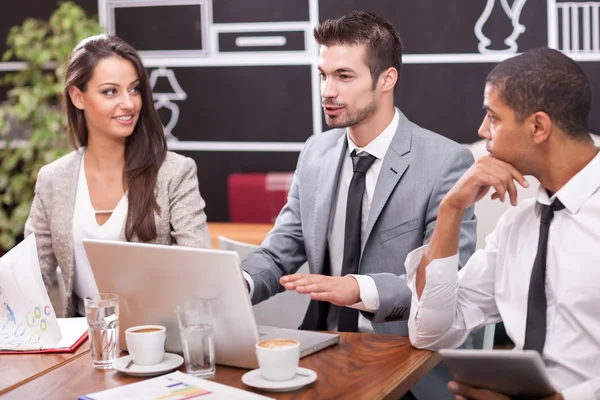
x,y
380,145
577,190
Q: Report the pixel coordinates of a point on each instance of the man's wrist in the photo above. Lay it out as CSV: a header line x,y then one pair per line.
x,y
450,209
356,289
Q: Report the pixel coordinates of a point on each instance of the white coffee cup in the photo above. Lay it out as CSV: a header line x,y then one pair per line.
x,y
278,358
146,343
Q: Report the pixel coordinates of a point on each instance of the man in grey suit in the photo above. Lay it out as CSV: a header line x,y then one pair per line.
x,y
363,196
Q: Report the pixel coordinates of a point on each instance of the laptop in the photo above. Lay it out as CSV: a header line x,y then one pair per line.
x,y
151,280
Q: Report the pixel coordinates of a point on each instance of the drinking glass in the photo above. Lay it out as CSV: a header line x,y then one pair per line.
x,y
102,313
196,327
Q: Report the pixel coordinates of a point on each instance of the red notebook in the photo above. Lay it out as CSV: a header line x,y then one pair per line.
x,y
74,332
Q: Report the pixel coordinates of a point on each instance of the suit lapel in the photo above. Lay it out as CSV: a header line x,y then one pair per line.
x,y
393,167
68,190
326,187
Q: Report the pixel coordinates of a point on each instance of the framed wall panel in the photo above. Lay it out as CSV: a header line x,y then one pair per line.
x,y
156,37
159,33
242,11
258,41
243,104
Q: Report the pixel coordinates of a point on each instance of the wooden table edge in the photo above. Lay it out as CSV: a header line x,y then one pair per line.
x,y
44,372
412,376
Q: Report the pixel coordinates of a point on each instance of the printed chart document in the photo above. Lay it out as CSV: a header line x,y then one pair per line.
x,y
28,322
174,386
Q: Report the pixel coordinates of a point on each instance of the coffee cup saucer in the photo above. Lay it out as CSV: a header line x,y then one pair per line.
x,y
169,363
303,377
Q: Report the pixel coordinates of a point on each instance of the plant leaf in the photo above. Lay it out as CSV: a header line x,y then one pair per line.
x,y
32,110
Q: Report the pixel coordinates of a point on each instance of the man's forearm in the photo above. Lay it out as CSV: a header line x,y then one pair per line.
x,y
444,241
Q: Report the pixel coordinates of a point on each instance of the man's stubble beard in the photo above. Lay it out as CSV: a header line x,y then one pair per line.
x,y
355,118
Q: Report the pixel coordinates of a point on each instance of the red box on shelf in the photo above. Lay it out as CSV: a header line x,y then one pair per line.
x,y
257,197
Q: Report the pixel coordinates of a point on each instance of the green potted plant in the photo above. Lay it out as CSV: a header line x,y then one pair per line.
x,y
31,123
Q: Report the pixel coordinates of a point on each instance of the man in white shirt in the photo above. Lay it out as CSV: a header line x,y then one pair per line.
x,y
363,195
540,269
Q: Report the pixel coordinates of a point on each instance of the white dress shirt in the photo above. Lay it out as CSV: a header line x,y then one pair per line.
x,y
85,226
335,238
494,286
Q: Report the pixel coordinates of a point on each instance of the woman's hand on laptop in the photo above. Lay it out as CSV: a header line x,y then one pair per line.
x,y
341,291
464,392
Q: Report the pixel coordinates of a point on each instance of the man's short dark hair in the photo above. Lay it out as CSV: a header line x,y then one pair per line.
x,y
545,80
384,46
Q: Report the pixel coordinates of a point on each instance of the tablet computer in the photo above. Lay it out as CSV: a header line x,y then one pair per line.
x,y
516,373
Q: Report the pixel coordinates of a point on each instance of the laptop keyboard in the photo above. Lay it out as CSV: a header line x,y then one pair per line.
x,y
264,330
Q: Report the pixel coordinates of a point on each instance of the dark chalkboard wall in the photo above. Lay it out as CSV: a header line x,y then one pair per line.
x,y
431,26
272,103
14,12
245,102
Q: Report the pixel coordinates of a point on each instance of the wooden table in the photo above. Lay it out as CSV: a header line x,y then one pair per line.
x,y
247,233
362,366
18,369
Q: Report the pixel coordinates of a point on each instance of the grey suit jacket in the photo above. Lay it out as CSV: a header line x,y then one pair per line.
x,y
181,219
417,171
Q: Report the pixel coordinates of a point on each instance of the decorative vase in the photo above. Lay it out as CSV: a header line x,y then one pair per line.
x,y
513,13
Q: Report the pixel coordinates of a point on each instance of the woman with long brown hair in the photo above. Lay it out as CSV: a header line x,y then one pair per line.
x,y
120,183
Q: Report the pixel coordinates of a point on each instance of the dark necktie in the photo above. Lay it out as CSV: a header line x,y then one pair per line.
x,y
348,317
535,330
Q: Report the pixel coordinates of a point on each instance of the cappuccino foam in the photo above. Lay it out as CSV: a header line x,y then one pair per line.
x,y
146,330
277,343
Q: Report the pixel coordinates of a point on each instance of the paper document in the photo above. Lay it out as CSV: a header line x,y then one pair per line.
x,y
27,318
72,330
174,386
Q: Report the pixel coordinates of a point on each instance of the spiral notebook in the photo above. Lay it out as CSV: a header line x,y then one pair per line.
x,y
74,332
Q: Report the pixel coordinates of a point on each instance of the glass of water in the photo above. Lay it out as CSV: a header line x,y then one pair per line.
x,y
102,313
196,326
